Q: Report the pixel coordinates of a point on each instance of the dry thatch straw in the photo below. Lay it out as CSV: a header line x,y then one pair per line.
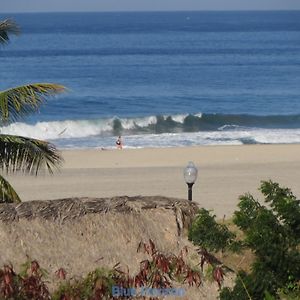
x,y
71,208
81,234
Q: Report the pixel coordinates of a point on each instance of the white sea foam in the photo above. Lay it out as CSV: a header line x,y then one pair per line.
x,y
99,133
78,128
128,123
57,129
178,118
188,139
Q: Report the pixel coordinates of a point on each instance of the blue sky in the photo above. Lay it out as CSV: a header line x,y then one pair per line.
x,y
144,5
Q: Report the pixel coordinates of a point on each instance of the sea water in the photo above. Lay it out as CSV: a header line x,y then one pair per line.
x,y
159,79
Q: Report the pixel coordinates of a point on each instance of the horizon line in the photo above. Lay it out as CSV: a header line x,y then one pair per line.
x,y
156,11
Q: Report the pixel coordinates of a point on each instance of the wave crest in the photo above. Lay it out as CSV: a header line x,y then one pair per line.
x,y
150,125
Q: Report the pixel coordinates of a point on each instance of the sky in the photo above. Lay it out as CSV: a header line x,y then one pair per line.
x,y
144,5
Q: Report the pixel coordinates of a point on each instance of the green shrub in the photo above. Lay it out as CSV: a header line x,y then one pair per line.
x,y
273,234
96,285
291,291
207,233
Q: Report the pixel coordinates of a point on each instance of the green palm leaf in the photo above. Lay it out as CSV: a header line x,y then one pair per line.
x,y
7,27
19,153
16,102
7,193
22,154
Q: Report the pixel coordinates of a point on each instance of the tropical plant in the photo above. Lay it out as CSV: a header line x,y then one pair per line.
x,y
206,232
17,153
273,234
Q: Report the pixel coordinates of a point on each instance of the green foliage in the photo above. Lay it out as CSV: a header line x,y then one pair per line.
x,y
19,154
272,233
239,291
7,27
96,284
7,192
22,100
291,291
207,233
285,206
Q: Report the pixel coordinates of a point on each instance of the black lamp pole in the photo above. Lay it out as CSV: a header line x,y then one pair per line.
x,y
190,176
190,191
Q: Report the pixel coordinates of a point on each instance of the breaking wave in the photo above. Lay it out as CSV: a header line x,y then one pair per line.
x,y
163,131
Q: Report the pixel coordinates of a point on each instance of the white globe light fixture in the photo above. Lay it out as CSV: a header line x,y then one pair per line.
x,y
190,176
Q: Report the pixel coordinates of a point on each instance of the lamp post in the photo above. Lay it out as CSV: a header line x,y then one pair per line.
x,y
190,176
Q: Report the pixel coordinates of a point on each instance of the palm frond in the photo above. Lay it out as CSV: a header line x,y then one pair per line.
x,y
16,102
7,192
22,154
7,27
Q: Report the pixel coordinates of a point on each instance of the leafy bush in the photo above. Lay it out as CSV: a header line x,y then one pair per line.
x,y
207,233
96,285
273,234
28,285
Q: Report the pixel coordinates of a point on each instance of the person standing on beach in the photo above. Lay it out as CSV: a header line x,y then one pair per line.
x,y
119,143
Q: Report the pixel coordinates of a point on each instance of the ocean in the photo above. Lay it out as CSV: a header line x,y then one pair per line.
x,y
159,79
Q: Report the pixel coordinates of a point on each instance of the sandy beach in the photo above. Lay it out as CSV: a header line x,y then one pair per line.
x,y
225,172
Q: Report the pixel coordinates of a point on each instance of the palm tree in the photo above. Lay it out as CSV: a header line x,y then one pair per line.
x,y
17,153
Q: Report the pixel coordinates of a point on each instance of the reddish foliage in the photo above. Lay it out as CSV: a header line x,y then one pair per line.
x,y
61,274
7,275
218,275
30,286
158,271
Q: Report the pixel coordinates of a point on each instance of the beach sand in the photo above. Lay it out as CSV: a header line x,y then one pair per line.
x,y
225,172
